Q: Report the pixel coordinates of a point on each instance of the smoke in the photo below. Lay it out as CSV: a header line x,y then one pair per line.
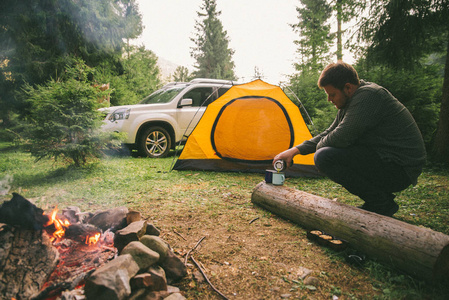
x,y
101,23
70,23
5,184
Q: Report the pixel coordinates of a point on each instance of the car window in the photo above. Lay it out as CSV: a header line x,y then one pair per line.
x,y
221,91
200,95
162,96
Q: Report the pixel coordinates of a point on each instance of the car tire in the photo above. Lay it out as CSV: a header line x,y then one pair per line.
x,y
155,142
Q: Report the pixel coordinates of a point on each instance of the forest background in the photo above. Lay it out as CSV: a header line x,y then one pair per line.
x,y
399,44
55,55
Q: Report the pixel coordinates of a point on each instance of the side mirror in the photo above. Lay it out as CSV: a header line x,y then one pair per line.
x,y
186,102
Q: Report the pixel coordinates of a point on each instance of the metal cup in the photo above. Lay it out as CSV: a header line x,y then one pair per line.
x,y
278,178
275,178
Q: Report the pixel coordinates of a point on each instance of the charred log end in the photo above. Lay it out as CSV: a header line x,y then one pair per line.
x,y
20,212
441,268
79,232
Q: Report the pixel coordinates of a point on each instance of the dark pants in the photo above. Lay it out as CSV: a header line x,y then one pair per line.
x,y
363,173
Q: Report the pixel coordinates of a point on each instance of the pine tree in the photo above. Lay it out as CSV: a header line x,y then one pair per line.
x,y
181,74
64,120
315,38
212,53
257,73
345,11
315,41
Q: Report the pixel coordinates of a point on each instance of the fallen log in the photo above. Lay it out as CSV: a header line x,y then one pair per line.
x,y
418,251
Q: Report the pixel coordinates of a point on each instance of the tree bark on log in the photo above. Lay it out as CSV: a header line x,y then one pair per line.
x,y
418,251
27,258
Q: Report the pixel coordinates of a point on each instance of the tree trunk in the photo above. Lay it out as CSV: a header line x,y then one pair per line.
x,y
441,144
339,33
418,251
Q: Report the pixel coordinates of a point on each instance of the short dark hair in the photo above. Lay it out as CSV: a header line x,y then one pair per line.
x,y
337,75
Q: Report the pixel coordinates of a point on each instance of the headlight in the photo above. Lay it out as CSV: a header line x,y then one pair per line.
x,y
120,114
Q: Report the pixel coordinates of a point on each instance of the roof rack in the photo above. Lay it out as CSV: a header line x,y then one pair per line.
x,y
174,83
208,80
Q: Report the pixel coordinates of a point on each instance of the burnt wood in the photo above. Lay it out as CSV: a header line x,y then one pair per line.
x,y
421,252
27,258
79,232
77,262
54,290
20,212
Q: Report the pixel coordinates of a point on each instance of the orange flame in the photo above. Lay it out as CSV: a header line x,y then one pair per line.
x,y
92,240
61,225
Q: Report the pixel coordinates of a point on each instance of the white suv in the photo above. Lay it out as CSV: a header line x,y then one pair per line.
x,y
166,117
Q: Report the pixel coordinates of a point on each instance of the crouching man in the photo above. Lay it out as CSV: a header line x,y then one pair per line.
x,y
373,148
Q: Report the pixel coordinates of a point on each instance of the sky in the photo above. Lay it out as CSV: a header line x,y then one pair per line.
x,y
258,32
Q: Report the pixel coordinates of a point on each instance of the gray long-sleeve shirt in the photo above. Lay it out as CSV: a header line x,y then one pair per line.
x,y
373,117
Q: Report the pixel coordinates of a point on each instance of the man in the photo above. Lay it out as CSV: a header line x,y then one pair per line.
x,y
373,148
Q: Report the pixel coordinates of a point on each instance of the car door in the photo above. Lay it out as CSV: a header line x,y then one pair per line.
x,y
189,116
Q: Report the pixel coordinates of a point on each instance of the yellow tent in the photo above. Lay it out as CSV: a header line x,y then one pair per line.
x,y
244,129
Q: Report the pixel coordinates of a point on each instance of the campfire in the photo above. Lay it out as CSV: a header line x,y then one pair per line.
x,y
77,254
59,227
82,248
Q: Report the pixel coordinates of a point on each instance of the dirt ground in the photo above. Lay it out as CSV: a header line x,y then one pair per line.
x,y
249,253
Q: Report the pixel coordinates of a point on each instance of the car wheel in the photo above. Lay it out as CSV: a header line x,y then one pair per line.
x,y
155,142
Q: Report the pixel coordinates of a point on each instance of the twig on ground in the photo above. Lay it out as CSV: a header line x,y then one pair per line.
x,y
255,219
193,249
174,230
207,279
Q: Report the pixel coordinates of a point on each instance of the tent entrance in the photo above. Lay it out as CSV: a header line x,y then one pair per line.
x,y
251,129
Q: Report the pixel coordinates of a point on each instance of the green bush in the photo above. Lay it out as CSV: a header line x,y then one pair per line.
x,y
64,121
138,78
314,100
419,90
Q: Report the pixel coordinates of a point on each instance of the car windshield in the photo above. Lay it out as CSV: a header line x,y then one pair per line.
x,y
163,95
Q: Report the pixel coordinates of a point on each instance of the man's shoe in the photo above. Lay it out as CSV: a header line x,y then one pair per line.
x,y
388,209
365,206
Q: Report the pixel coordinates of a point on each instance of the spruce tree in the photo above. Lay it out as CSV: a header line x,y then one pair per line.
x,y
345,11
314,43
212,53
181,74
64,119
315,38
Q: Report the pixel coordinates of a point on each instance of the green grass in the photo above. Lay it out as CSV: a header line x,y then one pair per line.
x,y
124,180
146,184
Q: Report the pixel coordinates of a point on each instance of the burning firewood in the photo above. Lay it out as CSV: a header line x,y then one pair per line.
x,y
59,226
83,233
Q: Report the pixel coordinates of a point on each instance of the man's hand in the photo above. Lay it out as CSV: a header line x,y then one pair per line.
x,y
287,156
